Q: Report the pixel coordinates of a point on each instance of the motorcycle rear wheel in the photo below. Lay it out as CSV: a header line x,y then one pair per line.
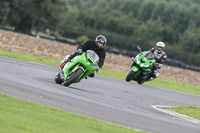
x,y
140,82
130,76
73,78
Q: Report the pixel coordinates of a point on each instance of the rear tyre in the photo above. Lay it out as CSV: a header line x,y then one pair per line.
x,y
73,78
130,76
58,79
140,82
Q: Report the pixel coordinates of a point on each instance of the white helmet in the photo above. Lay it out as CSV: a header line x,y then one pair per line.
x,y
160,46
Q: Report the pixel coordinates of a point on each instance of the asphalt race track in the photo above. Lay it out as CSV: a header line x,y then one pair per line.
x,y
108,99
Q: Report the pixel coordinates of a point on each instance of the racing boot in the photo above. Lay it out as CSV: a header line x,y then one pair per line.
x,y
154,75
92,75
149,79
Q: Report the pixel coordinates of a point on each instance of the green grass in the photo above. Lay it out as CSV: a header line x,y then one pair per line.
x,y
173,85
162,83
21,116
28,57
112,74
191,111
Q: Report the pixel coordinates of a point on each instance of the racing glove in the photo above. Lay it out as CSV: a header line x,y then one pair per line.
x,y
79,51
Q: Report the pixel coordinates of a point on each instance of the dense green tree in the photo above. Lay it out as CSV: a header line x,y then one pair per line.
x,y
146,10
191,39
25,15
9,12
4,11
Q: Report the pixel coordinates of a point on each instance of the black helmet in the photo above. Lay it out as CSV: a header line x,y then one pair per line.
x,y
101,39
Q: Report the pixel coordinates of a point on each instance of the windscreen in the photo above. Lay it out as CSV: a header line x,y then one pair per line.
x,y
149,55
93,55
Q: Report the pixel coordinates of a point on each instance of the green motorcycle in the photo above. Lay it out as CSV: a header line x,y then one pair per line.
x,y
78,68
142,67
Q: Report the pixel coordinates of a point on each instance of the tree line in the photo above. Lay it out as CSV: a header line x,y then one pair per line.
x,y
125,23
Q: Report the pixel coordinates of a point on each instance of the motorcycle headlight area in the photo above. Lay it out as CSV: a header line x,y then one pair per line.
x,y
142,65
138,62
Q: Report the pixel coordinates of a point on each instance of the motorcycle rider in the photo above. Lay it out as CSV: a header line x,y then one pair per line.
x,y
160,57
97,45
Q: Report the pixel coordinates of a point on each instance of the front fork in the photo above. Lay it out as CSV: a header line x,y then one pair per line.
x,y
136,70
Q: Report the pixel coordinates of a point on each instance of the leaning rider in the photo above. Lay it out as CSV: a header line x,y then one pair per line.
x,y
160,57
97,45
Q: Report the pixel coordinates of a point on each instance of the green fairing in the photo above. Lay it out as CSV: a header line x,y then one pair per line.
x,y
85,62
142,66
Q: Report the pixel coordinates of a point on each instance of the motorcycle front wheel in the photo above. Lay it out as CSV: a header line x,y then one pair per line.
x,y
58,79
73,77
130,76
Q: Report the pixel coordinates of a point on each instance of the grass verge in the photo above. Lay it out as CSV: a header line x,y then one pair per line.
x,y
162,83
21,116
191,111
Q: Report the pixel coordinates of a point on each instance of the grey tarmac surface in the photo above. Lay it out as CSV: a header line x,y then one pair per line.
x,y
108,99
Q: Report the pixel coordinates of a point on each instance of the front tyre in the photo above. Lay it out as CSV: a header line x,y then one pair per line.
x,y
58,79
130,76
73,78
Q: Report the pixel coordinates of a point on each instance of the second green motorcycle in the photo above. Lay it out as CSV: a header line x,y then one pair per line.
x,y
142,67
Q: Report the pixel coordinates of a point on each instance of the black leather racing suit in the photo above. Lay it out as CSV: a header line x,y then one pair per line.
x,y
91,45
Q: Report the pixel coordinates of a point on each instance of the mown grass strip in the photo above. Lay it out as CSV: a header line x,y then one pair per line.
x,y
192,111
21,116
173,85
28,57
162,83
